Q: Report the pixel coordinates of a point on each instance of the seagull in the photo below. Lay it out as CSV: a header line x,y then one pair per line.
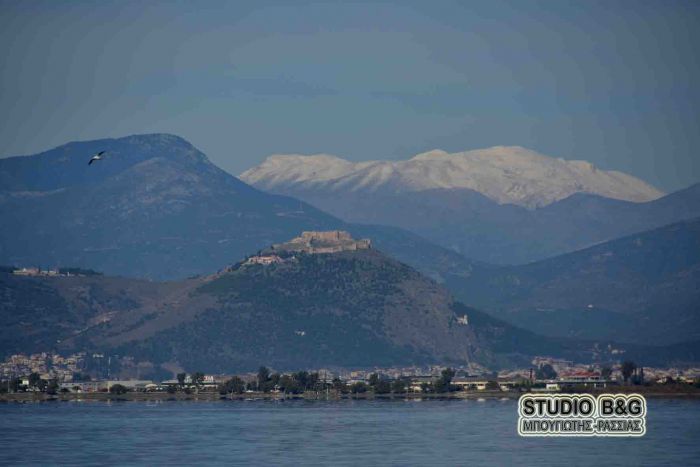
x,y
96,157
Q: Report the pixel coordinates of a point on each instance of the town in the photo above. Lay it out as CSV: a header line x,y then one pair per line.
x,y
84,373
55,272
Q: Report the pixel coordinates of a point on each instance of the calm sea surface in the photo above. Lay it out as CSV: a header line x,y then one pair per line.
x,y
433,432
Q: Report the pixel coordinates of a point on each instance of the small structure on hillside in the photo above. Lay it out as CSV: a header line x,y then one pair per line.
x,y
264,260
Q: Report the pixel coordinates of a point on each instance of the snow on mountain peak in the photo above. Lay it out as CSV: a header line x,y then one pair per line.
x,y
506,174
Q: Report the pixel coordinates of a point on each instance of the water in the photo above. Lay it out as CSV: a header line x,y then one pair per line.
x,y
450,432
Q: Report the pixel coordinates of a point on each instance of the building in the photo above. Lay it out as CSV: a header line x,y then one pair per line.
x,y
417,383
263,260
26,272
83,386
468,383
581,379
131,384
332,241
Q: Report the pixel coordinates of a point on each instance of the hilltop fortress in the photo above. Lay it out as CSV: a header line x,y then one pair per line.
x,y
331,241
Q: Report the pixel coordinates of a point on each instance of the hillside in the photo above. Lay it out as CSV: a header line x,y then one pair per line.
x,y
354,308
155,207
640,289
287,308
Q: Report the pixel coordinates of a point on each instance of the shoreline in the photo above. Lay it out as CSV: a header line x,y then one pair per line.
x,y
215,396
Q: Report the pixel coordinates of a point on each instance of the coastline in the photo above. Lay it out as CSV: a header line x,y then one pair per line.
x,y
27,397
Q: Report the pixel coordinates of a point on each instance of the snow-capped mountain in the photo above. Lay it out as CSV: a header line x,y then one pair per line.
x,y
505,174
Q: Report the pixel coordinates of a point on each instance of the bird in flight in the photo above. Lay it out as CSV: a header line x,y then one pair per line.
x,y
96,157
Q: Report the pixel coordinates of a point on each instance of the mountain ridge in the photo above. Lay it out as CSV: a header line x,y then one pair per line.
x,y
477,227
156,207
504,174
639,288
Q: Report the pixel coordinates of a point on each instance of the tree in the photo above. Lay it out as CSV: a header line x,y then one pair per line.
x,y
382,387
288,383
34,380
373,379
545,371
197,379
358,388
606,372
302,379
443,383
42,385
234,385
627,368
399,386
313,380
340,386
275,379
15,383
118,389
263,377
181,377
492,385
11,385
52,387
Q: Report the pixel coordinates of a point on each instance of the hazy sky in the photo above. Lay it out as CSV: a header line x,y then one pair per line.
x,y
614,83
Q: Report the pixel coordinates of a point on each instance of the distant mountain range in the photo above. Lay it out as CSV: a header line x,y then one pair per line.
x,y
500,205
156,207
644,289
506,175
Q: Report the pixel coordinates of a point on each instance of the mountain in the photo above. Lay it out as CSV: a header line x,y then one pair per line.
x,y
300,304
506,175
644,288
156,207
486,220
297,309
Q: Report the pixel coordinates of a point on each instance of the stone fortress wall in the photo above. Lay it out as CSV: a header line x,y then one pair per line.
x,y
332,241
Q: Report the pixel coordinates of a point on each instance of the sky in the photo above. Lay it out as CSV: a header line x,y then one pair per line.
x,y
611,82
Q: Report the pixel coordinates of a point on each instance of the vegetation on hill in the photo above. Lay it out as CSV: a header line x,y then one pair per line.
x,y
344,309
347,309
352,309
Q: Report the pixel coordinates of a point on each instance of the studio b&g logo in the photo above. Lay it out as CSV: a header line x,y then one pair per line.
x,y
582,415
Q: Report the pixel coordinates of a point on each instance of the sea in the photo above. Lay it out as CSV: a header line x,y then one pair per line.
x,y
339,433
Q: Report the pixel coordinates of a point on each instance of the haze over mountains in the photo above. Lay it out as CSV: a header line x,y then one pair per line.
x,y
500,205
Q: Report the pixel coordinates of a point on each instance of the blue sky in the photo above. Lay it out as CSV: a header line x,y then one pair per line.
x,y
614,83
